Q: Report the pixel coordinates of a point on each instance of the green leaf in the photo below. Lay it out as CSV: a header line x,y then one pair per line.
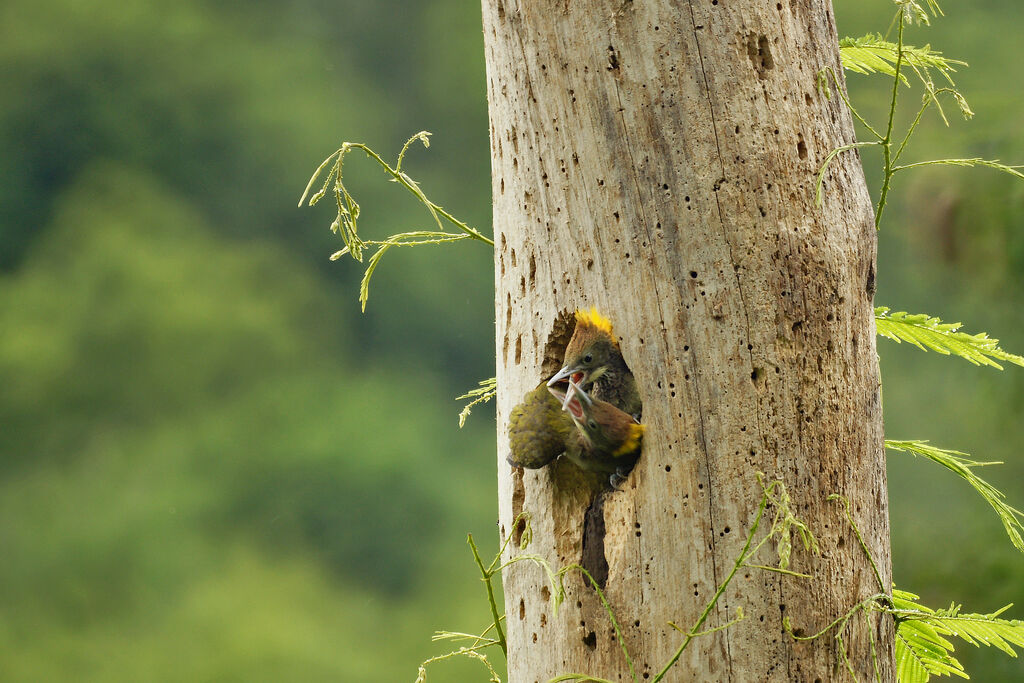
x,y
918,658
872,54
958,463
485,392
922,647
926,332
920,651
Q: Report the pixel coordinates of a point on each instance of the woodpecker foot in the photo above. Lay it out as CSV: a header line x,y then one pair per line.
x,y
619,477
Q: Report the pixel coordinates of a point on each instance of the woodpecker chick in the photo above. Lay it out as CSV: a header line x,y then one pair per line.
x,y
594,362
538,430
608,440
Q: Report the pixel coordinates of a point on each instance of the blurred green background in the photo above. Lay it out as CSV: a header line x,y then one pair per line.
x,y
213,467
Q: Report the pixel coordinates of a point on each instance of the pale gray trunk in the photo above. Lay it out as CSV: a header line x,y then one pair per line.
x,y
656,159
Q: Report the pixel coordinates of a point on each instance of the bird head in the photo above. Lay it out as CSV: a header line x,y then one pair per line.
x,y
589,350
604,427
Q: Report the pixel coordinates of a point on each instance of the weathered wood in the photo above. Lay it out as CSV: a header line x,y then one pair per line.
x,y
657,159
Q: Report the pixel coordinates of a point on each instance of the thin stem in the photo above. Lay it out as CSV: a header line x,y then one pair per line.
x,y
496,562
849,105
778,570
845,658
608,610
887,140
931,97
490,595
711,630
316,175
863,545
403,180
841,620
874,651
423,136
1012,170
479,640
828,159
718,594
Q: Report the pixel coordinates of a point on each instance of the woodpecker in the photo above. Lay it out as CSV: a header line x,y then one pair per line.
x,y
539,430
594,362
608,440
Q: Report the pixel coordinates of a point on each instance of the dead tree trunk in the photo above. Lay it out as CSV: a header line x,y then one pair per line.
x,y
657,160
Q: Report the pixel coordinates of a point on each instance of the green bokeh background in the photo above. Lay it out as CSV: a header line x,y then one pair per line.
x,y
213,467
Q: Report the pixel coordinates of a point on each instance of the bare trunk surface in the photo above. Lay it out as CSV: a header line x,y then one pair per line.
x,y
657,160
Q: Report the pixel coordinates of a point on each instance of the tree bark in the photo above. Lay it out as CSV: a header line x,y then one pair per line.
x,y
657,159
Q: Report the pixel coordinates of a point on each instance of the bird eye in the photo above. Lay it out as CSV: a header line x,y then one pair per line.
x,y
588,358
592,424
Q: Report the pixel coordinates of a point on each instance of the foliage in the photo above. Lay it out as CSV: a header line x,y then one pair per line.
x,y
926,332
192,457
171,353
487,390
873,54
962,466
213,482
784,524
922,647
348,210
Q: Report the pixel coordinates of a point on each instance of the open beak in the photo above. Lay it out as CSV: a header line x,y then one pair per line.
x,y
575,390
558,391
570,400
575,378
564,373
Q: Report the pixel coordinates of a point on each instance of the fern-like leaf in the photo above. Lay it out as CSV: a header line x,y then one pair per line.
x,y
922,646
873,54
485,392
926,332
920,654
963,466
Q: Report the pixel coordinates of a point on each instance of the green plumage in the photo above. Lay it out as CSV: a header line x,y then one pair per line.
x,y
595,435
538,430
598,427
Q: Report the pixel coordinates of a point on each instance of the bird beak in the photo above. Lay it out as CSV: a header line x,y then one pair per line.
x,y
557,392
575,390
574,376
569,399
575,408
562,374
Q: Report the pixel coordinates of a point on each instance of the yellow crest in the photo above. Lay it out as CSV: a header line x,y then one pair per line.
x,y
594,319
632,442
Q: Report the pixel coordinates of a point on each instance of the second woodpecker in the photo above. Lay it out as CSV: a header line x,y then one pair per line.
x,y
607,440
